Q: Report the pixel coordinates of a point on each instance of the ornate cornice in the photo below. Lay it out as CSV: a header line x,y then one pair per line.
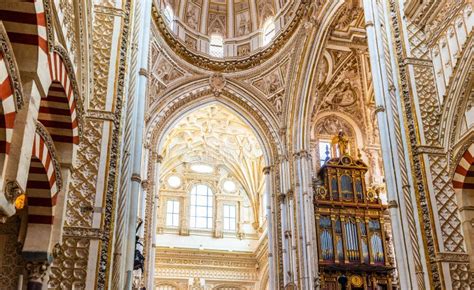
x,y
452,257
87,233
229,65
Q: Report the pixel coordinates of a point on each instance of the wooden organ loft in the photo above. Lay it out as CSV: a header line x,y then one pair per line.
x,y
350,225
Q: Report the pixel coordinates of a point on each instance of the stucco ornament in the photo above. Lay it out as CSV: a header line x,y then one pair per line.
x,y
217,82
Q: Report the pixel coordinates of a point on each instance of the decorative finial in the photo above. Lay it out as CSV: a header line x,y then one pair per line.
x,y
359,155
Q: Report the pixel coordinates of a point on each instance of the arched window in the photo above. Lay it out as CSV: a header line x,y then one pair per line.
x,y
216,46
169,16
268,31
324,151
201,207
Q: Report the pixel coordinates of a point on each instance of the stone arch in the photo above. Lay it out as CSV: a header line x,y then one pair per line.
x,y
183,99
11,95
180,101
299,113
338,121
61,110
26,24
463,183
44,184
457,97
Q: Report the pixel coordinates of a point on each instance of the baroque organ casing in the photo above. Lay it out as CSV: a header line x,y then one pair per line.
x,y
349,218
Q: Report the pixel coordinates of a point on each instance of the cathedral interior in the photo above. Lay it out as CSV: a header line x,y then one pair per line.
x,y
236,144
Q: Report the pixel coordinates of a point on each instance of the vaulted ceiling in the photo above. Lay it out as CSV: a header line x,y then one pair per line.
x,y
216,136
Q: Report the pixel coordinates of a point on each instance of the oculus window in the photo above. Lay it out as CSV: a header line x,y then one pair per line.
x,y
174,181
202,168
229,186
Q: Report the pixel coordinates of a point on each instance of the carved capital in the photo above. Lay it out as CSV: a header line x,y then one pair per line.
x,y
379,109
282,197
392,204
36,272
12,190
301,154
136,177
143,72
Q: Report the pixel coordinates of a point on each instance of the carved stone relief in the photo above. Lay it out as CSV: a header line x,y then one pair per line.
x,y
82,189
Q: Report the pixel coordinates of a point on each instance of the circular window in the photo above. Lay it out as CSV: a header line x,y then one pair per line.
x,y
174,181
229,186
202,168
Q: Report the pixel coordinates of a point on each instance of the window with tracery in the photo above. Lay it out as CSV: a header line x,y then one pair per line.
x,y
169,16
172,213
201,207
216,46
230,217
268,31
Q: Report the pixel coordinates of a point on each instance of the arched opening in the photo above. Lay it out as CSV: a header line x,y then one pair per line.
x,y
463,183
211,209
6,122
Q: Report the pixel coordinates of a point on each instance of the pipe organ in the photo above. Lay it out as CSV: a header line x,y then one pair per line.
x,y
352,247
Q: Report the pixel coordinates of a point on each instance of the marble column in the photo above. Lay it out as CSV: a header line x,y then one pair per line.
x,y
409,249
288,269
306,225
269,211
154,193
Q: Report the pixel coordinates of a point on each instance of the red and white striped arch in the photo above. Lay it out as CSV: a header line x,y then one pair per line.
x,y
58,111
26,22
464,175
27,28
44,179
7,108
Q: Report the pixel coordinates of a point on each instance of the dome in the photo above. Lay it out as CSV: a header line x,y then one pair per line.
x,y
229,29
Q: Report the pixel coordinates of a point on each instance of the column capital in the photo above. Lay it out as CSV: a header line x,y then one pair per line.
x,y
282,197
301,154
36,272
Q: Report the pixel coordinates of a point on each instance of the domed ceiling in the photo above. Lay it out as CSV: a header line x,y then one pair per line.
x,y
225,17
247,27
